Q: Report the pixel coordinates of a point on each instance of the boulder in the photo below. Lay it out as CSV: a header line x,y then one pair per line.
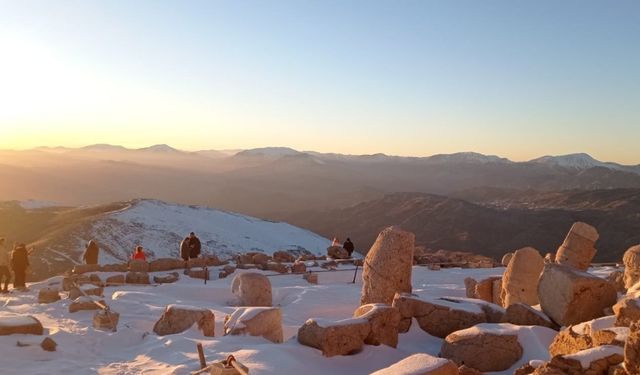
x,y
11,324
106,320
631,260
311,278
48,344
588,335
283,257
260,258
337,252
470,287
466,370
177,319
256,321
506,258
330,265
199,273
276,267
343,337
212,261
627,311
84,290
522,314
222,275
244,259
569,296
594,361
298,267
166,264
228,269
616,278
115,280
118,267
483,349
138,266
387,267
86,304
632,350
141,278
497,292
520,280
84,268
196,263
252,289
96,280
420,364
484,289
167,279
436,316
48,295
384,320
578,248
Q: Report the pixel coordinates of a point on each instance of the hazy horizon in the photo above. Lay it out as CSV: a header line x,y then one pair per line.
x,y
231,151
519,80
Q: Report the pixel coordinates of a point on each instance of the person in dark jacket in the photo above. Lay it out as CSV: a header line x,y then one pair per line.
x,y
348,245
90,255
19,263
5,264
194,246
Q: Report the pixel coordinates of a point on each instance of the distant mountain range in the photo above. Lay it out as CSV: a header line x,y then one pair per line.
x,y
496,223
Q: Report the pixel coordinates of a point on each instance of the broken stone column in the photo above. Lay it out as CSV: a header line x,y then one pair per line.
x,y
520,280
256,321
384,320
48,295
631,261
387,267
252,289
569,296
578,248
178,318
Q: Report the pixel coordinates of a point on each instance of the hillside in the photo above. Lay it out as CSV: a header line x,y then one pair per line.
x,y
522,219
59,234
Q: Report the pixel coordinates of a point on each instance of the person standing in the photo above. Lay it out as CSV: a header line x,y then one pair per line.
x,y
5,263
348,245
139,254
185,251
194,246
91,252
19,263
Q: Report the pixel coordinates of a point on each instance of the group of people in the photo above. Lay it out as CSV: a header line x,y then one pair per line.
x,y
16,260
190,248
347,245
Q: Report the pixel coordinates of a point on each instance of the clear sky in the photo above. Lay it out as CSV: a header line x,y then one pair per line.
x,y
515,78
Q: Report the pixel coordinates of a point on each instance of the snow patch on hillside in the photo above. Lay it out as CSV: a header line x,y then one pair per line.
x,y
159,227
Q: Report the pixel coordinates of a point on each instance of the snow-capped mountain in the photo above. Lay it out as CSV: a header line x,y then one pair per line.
x,y
582,161
467,157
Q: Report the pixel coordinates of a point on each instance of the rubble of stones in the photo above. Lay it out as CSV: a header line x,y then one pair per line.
x,y
594,322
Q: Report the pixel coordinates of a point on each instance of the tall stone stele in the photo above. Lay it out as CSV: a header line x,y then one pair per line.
x,y
387,267
520,280
578,248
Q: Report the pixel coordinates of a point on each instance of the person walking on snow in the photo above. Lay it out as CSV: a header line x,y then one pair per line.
x,y
139,254
5,264
90,255
348,245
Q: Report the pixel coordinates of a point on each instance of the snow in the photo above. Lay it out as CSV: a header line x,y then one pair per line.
x,y
32,204
160,226
11,320
135,349
588,356
416,364
244,314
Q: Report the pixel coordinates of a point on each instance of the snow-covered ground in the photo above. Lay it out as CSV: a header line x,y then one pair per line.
x,y
160,226
135,349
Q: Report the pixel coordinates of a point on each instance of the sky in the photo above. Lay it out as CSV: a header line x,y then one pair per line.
x,y
519,79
